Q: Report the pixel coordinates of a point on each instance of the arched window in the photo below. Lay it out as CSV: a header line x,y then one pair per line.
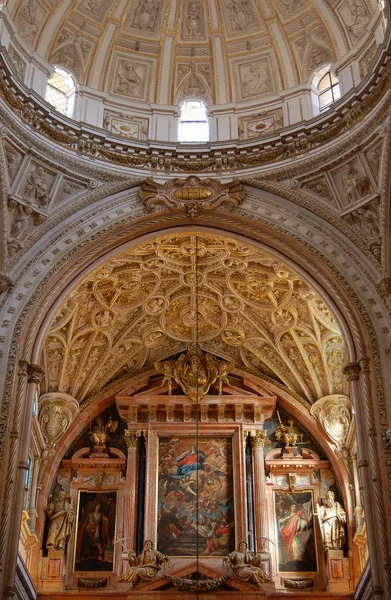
x,y
325,88
60,92
193,122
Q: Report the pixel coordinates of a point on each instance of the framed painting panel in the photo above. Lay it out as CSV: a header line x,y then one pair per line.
x,y
294,522
195,496
95,532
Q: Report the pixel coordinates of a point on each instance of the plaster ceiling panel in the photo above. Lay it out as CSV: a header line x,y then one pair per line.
x,y
150,302
105,42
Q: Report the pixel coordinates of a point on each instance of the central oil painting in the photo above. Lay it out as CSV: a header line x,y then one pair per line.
x,y
195,497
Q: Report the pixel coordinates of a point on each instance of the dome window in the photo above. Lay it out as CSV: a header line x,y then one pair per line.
x,y
193,122
60,92
325,88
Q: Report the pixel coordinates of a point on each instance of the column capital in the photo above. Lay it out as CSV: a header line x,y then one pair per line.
x,y
35,373
258,437
132,437
352,371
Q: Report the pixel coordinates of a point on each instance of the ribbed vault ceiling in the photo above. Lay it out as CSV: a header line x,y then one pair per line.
x,y
224,51
150,302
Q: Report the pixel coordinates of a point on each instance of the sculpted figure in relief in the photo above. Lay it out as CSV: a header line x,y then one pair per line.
x,y
286,433
145,566
99,435
61,518
128,79
255,80
358,19
332,518
36,187
21,219
247,566
356,186
27,21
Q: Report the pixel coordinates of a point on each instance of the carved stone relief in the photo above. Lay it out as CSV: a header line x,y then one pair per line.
x,y
290,8
95,9
352,182
254,78
131,78
193,21
14,158
254,126
56,412
374,159
366,61
313,48
193,81
126,125
320,187
145,17
73,52
29,19
355,16
367,219
68,189
18,63
240,17
334,414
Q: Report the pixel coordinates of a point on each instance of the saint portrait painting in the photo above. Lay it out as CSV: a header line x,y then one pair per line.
x,y
295,531
195,497
95,531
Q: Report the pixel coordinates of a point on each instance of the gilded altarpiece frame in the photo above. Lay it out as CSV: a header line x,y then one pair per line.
x,y
226,437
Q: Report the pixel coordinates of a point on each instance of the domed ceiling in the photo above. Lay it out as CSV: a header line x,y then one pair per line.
x,y
150,302
154,51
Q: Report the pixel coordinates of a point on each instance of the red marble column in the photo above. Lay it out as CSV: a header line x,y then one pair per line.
x,y
130,497
258,439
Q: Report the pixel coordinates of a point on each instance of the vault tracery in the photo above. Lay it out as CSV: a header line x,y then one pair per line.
x,y
141,307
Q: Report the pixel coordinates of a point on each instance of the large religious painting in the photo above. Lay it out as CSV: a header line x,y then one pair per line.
x,y
195,496
295,531
95,533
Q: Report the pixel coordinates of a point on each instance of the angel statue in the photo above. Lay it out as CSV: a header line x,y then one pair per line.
x,y
246,565
99,434
145,566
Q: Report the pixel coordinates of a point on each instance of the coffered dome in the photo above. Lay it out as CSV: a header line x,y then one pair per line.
x,y
221,51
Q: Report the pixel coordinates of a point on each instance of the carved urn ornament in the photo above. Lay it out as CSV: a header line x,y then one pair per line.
x,y
191,194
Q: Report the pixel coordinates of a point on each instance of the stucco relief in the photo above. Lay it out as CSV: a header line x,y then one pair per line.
x,y
193,21
374,157
193,81
334,414
290,8
320,187
126,125
240,16
18,63
14,158
313,49
131,78
68,189
355,16
95,9
366,61
352,182
72,51
145,17
29,19
56,412
254,78
254,126
367,219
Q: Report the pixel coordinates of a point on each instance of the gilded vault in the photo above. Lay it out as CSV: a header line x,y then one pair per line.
x,y
235,300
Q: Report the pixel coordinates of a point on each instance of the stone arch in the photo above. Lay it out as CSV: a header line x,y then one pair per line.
x,y
291,244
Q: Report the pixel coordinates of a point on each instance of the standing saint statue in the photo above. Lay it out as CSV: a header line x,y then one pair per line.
x,y
246,565
145,566
332,518
61,518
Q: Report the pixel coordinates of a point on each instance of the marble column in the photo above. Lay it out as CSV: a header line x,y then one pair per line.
x,y
258,439
34,375
130,501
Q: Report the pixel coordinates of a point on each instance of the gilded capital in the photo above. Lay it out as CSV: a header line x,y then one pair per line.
x,y
352,371
258,438
132,438
35,373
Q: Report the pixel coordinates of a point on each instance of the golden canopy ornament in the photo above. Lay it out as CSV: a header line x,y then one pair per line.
x,y
194,372
191,194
